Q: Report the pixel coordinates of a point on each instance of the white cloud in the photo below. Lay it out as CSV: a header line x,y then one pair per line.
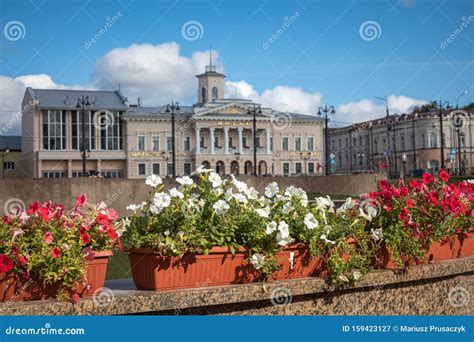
x,y
282,98
365,109
156,73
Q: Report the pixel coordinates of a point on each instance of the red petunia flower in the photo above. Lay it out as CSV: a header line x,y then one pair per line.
x,y
112,233
410,203
414,184
81,200
55,252
75,298
86,239
44,214
6,264
444,176
48,238
427,178
102,219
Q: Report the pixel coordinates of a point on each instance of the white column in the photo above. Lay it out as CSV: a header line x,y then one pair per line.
x,y
226,140
240,130
198,140
268,141
211,143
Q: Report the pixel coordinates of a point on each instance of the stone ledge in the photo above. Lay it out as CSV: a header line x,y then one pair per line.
x,y
256,296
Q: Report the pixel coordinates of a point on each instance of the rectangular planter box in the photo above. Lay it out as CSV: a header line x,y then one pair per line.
x,y
296,262
457,247
154,272
35,289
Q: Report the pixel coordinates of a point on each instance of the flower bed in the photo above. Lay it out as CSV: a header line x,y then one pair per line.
x,y
48,252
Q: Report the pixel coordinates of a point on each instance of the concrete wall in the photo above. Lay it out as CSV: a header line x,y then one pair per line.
x,y
119,193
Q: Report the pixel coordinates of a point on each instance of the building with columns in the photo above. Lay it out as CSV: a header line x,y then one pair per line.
x,y
410,142
130,141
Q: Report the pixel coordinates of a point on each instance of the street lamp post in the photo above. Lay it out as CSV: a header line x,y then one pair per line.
x,y
331,111
82,103
256,109
441,106
404,160
173,107
465,92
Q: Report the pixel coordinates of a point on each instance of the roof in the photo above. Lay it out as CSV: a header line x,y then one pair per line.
x,y
12,142
157,112
67,99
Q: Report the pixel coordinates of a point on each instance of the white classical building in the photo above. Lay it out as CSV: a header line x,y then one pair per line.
x,y
135,141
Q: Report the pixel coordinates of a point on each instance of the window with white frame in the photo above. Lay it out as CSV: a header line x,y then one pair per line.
x,y
201,142
110,130
141,138
298,168
298,143
244,141
155,141
141,169
9,165
284,143
231,142
54,130
187,143
311,167
76,125
310,143
187,168
271,144
169,143
433,140
156,168
54,174
169,169
286,168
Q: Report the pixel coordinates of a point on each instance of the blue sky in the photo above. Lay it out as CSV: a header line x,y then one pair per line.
x,y
321,53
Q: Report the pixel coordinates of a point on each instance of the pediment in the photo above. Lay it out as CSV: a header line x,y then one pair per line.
x,y
232,108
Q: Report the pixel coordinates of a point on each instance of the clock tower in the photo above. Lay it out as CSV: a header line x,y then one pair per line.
x,y
210,83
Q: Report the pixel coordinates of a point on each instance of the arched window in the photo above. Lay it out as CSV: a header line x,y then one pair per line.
x,y
433,140
203,94
215,93
340,160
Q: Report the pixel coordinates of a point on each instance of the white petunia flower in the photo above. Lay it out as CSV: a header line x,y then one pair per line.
x,y
176,193
287,208
185,181
377,234
220,207
240,198
348,204
271,189
357,274
252,193
160,201
343,278
283,235
228,195
369,212
324,203
153,180
263,212
215,179
241,186
134,207
271,227
201,169
325,239
257,260
310,221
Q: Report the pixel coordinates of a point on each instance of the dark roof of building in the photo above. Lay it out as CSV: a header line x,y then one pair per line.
x,y
160,111
12,142
66,98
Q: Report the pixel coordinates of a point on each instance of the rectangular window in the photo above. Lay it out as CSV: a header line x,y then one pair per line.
x,y
273,168
169,143
310,167
76,125
216,142
54,174
156,168
201,142
156,141
257,141
310,144
231,142
187,168
77,174
298,143
112,174
169,169
286,169
244,142
110,130
187,144
54,130
9,165
141,169
284,143
141,142
271,144
298,168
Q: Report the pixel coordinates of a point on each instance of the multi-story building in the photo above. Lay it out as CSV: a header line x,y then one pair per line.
x,y
410,142
131,141
10,152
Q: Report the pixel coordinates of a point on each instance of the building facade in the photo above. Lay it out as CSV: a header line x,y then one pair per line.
x,y
10,154
410,142
131,141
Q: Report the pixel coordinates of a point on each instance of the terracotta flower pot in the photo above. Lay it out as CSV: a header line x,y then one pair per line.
x,y
385,259
7,286
35,288
296,262
457,247
152,271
